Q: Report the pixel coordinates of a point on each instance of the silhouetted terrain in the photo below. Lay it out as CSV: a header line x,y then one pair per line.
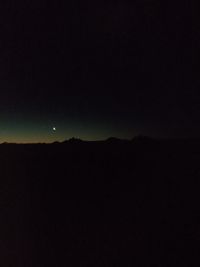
x,y
108,203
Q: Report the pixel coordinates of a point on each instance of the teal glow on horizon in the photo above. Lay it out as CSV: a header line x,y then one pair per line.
x,y
48,132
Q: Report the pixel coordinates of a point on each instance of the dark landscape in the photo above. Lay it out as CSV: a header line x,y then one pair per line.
x,y
104,203
128,70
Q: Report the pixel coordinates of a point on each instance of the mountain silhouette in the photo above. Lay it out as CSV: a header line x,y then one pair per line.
x,y
110,202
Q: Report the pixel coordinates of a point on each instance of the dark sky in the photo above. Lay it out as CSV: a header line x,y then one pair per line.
x,y
95,69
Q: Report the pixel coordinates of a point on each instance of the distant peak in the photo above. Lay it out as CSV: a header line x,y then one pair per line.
x,y
73,140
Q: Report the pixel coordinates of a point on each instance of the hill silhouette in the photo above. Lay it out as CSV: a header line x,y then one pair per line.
x,y
106,203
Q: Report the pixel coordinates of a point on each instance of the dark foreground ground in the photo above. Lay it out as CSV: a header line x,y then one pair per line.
x,y
110,203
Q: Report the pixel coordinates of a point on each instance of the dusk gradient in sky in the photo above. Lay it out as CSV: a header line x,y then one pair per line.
x,y
95,70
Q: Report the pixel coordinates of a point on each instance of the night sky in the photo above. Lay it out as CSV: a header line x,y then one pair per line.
x,y
95,69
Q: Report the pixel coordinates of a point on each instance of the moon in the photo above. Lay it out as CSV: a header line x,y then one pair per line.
x,y
54,129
